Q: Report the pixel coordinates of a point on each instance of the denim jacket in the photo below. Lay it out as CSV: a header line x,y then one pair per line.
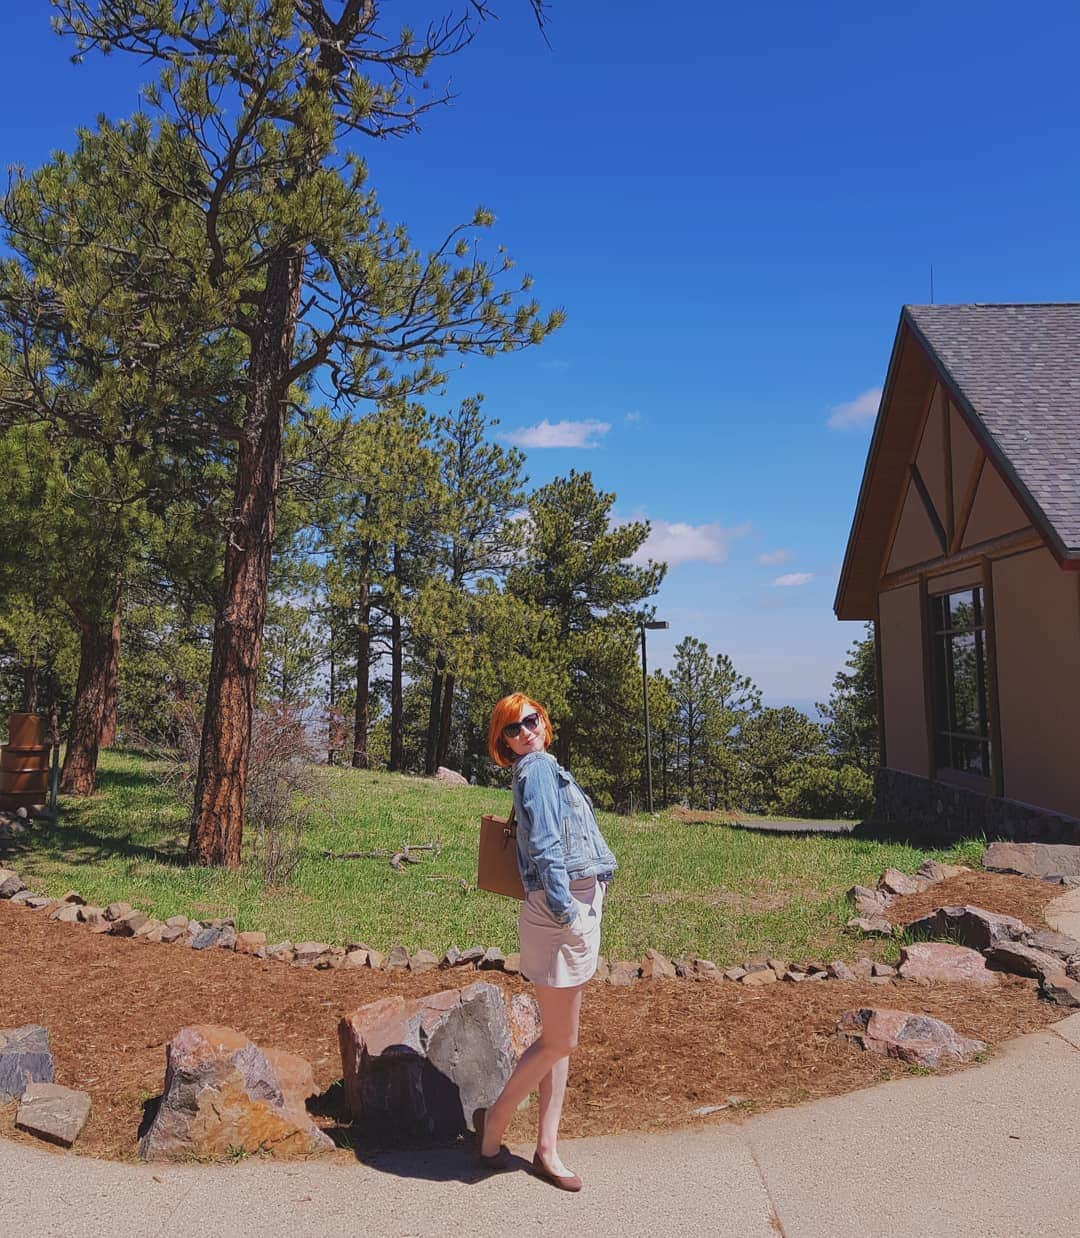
x,y
558,840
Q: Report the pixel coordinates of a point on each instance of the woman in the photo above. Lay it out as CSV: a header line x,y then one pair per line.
x,y
565,866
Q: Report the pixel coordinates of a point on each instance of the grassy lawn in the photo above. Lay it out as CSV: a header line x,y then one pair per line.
x,y
708,890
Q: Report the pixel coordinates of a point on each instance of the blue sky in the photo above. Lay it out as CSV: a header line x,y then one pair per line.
x,y
732,204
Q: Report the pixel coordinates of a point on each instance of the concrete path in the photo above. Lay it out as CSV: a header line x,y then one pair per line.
x,y
990,1152
1063,914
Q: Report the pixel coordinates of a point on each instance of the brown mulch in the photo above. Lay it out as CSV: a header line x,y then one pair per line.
x,y
648,1055
1023,897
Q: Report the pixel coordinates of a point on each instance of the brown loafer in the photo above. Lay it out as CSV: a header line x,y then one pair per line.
x,y
565,1182
498,1161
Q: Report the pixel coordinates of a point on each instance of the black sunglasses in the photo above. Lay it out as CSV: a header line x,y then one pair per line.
x,y
513,729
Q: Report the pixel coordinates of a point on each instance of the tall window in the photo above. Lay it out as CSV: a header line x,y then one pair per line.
x,y
961,726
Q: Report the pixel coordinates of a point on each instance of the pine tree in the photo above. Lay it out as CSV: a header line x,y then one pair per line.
x,y
851,712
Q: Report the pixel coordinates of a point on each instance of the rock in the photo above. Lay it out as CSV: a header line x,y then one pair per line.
x,y
893,881
794,977
10,883
602,973
92,915
971,926
376,960
863,969
1021,960
171,933
1060,989
623,973
308,953
115,911
1049,861
867,902
450,958
177,922
493,960
332,959
937,962
780,966
73,896
1059,944
216,934
27,898
471,957
655,966
53,1113
227,938
194,928
882,969
253,943
756,965
932,872
423,960
24,1059
66,913
525,1022
704,969
397,959
734,973
127,925
753,979
871,926
150,931
839,970
910,1037
224,1093
355,958
450,777
421,1066
281,952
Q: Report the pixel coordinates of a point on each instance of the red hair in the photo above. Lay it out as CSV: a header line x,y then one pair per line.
x,y
506,711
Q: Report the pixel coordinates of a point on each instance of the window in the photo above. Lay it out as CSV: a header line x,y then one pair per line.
x,y
961,726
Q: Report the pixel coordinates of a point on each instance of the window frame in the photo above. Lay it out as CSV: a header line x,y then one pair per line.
x,y
946,738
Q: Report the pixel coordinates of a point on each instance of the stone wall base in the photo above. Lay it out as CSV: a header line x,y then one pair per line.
x,y
908,805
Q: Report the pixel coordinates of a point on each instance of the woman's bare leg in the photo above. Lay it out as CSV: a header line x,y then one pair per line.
x,y
560,1012
552,1092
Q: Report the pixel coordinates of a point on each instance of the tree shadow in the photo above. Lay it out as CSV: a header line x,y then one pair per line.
x,y
68,841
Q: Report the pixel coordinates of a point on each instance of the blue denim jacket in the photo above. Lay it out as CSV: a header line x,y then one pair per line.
x,y
558,840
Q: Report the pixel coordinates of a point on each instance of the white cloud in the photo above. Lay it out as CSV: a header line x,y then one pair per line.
x,y
856,413
559,434
793,578
674,543
773,558
633,416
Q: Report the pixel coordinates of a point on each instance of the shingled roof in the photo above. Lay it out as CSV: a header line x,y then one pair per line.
x,y
1016,369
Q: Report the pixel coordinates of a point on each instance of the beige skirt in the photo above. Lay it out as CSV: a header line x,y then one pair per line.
x,y
561,955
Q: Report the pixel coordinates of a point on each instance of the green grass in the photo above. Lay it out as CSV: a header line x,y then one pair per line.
x,y
707,890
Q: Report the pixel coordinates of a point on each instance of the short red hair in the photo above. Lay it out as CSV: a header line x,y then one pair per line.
x,y
506,711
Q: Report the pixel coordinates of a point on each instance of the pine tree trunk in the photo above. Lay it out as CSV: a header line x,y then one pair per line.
x,y
360,757
442,752
434,714
91,698
112,686
397,710
220,791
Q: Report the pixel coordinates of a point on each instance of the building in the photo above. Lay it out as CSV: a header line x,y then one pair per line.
x,y
965,551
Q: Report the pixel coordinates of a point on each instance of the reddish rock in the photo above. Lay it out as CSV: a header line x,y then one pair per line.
x,y
398,959
754,979
73,896
223,1093
53,1113
421,1066
171,933
867,902
251,943
525,1022
376,960
932,872
92,915
893,881
970,926
450,777
177,921
602,973
914,1038
332,959
472,957
883,969
937,962
1060,944
1060,989
150,931
281,952
704,969
1044,860
655,966
623,973
493,960
839,970
115,911
308,953
1021,960
355,958
780,966
10,883
863,968
66,913
734,973
128,924
423,960
871,926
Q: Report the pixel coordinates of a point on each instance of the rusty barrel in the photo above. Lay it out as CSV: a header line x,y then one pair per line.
x,y
24,762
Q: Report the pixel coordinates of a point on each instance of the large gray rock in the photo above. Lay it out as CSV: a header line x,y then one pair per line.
x,y
24,1059
1021,960
1062,945
914,1038
868,903
450,777
1061,989
970,926
224,1093
54,1113
1044,860
10,883
893,881
420,1067
937,962
931,872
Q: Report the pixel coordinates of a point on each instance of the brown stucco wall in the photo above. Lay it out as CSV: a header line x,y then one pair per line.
x,y
903,698
1037,620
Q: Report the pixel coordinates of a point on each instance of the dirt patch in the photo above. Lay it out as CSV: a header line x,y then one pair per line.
x,y
648,1055
1023,897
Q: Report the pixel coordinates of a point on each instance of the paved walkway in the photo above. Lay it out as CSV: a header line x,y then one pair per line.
x,y
990,1152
